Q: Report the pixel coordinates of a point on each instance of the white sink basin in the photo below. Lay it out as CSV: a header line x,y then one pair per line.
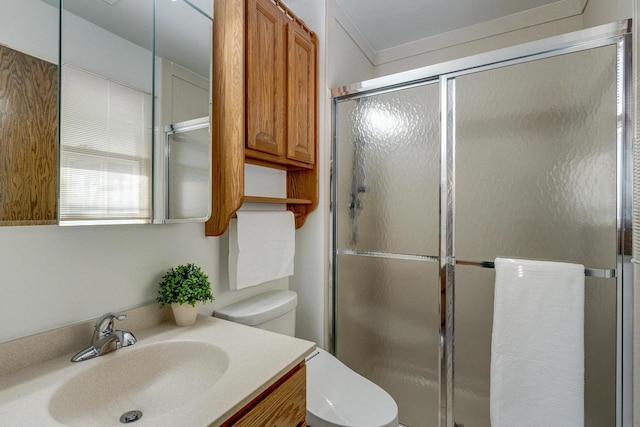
x,y
196,376
154,379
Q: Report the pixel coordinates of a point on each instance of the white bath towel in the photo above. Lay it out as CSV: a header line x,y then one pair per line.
x,y
537,347
261,247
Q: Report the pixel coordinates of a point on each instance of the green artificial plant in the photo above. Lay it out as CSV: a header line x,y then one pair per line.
x,y
185,284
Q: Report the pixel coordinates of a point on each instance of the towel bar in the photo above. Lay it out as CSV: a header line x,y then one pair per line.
x,y
603,273
295,214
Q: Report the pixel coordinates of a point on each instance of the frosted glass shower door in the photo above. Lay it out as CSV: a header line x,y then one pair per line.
x,y
536,178
387,223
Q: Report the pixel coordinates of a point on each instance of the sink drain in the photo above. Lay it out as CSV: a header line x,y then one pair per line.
x,y
130,417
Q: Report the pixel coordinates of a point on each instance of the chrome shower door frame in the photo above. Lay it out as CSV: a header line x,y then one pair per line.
x,y
618,34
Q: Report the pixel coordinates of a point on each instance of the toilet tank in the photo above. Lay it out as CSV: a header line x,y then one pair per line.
x,y
273,311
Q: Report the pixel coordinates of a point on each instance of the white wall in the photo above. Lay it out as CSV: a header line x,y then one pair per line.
x,y
33,34
346,62
599,12
53,276
311,270
87,46
512,38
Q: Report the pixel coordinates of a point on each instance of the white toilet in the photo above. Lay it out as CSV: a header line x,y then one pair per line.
x,y
336,395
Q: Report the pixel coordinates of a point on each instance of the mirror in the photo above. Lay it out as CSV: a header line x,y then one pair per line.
x,y
28,112
106,112
126,75
183,50
132,71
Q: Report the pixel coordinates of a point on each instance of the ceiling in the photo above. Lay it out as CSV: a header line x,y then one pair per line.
x,y
388,30
180,26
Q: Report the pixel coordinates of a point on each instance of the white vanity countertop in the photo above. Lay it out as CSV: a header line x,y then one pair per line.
x,y
256,358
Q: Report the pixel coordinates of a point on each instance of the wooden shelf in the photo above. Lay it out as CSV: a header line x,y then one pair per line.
x,y
288,201
295,214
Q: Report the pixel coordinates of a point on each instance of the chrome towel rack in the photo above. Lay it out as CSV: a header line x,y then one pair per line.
x,y
603,273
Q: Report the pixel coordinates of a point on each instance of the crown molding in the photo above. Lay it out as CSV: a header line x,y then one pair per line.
x,y
352,31
539,15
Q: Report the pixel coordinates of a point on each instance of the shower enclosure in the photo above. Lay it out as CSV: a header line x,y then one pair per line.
x,y
523,152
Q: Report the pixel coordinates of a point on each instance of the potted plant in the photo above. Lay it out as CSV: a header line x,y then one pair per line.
x,y
183,287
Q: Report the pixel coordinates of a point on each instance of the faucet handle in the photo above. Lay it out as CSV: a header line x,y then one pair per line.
x,y
104,325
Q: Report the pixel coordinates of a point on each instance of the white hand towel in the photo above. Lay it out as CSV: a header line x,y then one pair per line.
x,y
537,347
261,247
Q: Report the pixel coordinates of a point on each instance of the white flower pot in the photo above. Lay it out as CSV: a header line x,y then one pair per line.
x,y
185,314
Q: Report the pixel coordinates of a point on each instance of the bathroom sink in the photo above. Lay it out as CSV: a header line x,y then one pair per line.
x,y
153,379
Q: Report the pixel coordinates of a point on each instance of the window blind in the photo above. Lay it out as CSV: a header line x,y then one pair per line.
x,y
105,150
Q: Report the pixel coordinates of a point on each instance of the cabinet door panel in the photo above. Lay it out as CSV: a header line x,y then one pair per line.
x,y
301,105
265,77
285,406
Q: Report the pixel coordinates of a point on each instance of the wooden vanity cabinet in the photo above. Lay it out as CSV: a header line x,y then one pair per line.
x,y
283,404
264,106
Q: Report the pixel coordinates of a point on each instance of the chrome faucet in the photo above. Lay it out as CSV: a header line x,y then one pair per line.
x,y
105,339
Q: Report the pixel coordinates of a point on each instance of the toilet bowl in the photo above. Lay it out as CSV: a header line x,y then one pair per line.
x,y
336,395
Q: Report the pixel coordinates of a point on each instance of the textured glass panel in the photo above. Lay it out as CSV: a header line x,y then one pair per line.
x,y
473,325
387,330
536,160
536,178
388,172
474,320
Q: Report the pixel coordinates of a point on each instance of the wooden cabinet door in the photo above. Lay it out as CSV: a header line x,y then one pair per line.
x,y
301,99
266,83
284,406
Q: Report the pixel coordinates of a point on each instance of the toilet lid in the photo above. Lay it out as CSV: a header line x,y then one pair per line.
x,y
259,308
337,396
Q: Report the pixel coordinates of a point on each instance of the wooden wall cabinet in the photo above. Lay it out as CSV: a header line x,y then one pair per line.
x,y
301,95
281,86
266,84
284,404
264,106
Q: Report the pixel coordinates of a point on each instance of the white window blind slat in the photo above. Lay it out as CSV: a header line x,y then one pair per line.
x,y
105,156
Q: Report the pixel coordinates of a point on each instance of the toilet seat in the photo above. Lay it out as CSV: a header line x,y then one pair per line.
x,y
339,397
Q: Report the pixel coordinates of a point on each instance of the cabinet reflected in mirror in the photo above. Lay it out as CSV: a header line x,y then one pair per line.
x,y
28,112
